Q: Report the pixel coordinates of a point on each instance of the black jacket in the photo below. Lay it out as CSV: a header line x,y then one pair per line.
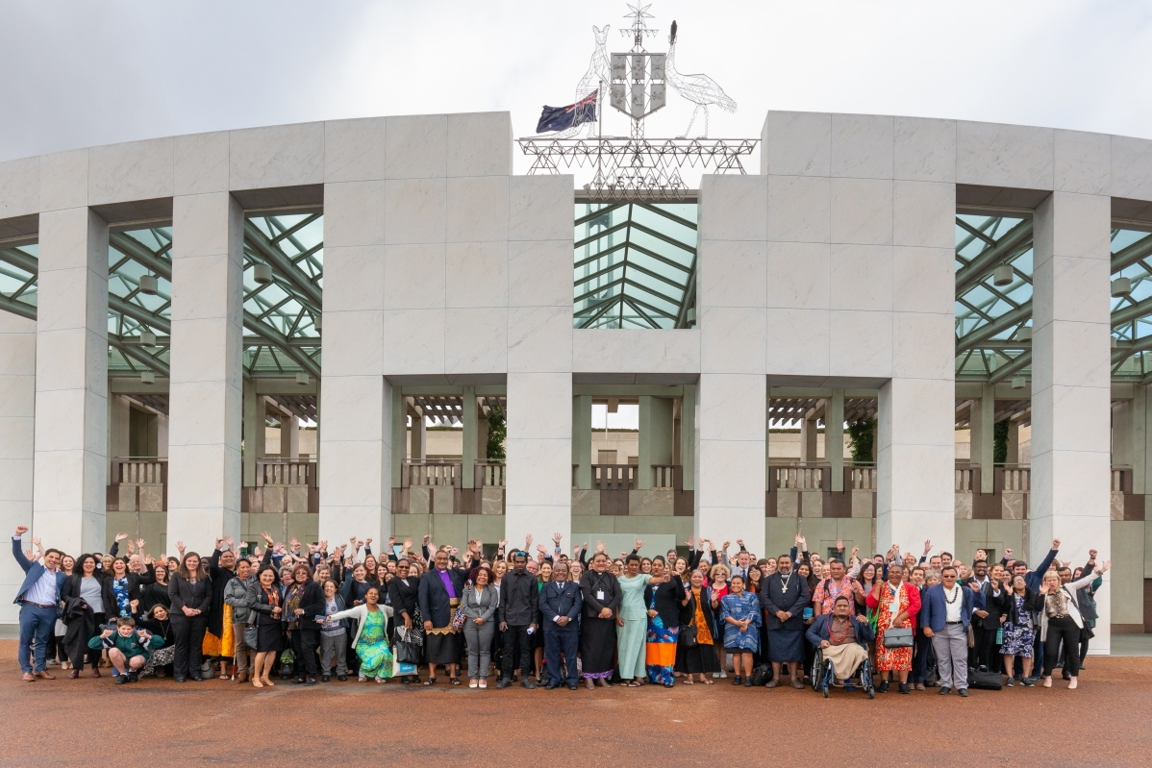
x,y
666,600
404,596
261,615
1033,602
773,599
519,599
220,578
71,588
313,603
185,593
591,585
995,605
557,600
433,598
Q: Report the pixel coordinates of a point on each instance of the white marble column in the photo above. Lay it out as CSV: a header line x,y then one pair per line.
x,y
289,436
582,440
72,381
834,439
206,390
119,430
1071,385
982,436
17,442
253,432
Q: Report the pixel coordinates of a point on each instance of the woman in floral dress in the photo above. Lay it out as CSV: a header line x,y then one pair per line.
x,y
1020,629
897,603
370,643
740,612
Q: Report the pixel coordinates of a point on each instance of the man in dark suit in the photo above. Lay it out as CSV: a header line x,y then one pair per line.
x,y
438,594
783,598
560,605
38,598
986,620
945,615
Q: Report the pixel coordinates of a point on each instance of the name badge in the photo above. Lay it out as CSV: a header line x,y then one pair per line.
x,y
599,594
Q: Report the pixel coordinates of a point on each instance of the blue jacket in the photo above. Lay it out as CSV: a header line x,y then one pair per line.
x,y
32,572
818,632
934,612
556,601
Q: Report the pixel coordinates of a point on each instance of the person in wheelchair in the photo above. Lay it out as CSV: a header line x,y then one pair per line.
x,y
841,646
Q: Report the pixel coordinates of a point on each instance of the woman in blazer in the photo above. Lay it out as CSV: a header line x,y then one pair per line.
x,y
1060,620
267,616
191,592
480,601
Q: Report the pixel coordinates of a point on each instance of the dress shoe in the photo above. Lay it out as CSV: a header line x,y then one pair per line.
x,y
326,678
963,692
550,686
883,687
75,673
179,678
196,678
573,686
526,683
747,682
919,686
299,681
904,688
945,691
95,672
120,679
312,680
503,683
45,676
342,678
29,677
242,677
133,676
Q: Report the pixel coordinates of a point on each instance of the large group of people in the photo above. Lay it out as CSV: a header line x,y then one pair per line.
x,y
316,613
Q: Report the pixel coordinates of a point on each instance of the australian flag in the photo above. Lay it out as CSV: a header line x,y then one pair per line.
x,y
563,118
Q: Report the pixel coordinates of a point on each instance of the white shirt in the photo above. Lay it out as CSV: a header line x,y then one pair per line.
x,y
953,610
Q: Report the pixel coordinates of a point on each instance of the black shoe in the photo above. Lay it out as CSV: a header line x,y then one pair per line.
x,y
299,681
312,680
883,687
550,686
1067,676
963,692
342,678
133,676
945,691
120,679
736,680
196,678
503,683
526,683
904,688
573,686
748,682
179,678
326,678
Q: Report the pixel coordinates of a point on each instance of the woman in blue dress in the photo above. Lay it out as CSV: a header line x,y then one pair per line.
x,y
740,610
370,643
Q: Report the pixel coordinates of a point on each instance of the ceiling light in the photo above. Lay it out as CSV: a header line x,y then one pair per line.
x,y
147,377
303,379
262,274
1121,286
1018,382
148,284
148,339
1002,275
1024,334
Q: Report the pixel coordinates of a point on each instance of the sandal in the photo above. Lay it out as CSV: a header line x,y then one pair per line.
x,y
709,681
687,681
454,680
430,681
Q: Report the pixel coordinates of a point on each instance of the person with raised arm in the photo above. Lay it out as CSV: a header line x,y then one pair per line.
x,y
39,599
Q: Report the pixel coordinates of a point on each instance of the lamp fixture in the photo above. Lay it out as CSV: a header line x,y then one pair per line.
x,y
149,285
1121,286
1002,275
147,377
262,274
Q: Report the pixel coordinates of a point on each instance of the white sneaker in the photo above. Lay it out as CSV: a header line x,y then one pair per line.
x,y
724,675
716,675
484,683
472,683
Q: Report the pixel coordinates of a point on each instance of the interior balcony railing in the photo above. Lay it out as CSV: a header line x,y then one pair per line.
x,y
490,474
614,477
138,484
286,472
436,486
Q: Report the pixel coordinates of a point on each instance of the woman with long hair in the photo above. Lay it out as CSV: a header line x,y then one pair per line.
x,y
664,597
157,621
303,602
266,604
191,593
371,642
479,601
86,600
543,576
156,593
698,656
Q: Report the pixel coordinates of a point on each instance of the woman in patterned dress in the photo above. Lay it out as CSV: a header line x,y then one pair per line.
x,y
740,612
1020,629
664,597
370,643
897,604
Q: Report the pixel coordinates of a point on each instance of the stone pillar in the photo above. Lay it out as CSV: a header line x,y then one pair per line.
x,y
71,471
582,440
356,399
644,448
17,443
289,436
731,483
468,438
688,432
419,431
982,428
834,438
808,434
206,391
1071,385
1013,455
1139,439
161,436
1123,434
253,431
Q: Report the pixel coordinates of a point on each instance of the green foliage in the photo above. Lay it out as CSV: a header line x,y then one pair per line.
x,y
1000,442
861,440
497,432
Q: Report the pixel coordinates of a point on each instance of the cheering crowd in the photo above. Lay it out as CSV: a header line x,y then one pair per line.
x,y
314,613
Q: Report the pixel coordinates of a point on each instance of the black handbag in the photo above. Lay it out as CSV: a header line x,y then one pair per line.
x,y
406,647
761,674
688,635
898,637
982,679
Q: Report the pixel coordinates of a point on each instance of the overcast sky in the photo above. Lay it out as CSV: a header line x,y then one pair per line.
x,y
76,74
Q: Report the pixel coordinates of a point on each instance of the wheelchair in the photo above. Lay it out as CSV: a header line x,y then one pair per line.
x,y
822,675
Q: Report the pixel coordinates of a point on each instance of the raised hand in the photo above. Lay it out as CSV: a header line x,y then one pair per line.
x,y
639,544
740,543
368,541
556,538
503,544
839,545
1055,543
180,547
21,530
1007,553
294,542
1092,554
1107,564
691,542
407,544
928,546
140,545
427,538
121,536
600,547
230,542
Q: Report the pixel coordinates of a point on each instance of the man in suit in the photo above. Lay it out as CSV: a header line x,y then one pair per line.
x,y
38,598
560,605
945,615
783,598
986,620
438,596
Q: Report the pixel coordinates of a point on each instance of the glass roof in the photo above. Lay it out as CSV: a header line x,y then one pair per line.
x,y
133,254
1132,312
991,344
18,279
634,265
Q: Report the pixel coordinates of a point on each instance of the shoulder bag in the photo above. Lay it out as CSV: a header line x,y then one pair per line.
x,y
898,637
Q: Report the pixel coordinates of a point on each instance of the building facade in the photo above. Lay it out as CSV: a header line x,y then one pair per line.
x,y
167,299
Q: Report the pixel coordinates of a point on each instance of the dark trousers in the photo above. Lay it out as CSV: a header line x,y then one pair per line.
x,y
561,641
1062,630
304,644
921,655
92,656
516,638
189,632
36,625
984,654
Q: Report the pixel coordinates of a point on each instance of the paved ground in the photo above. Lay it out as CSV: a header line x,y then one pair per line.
x,y
71,722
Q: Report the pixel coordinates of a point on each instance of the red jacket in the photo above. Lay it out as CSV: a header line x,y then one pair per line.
x,y
913,601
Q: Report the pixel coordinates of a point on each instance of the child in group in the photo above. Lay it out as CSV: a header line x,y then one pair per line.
x,y
127,647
